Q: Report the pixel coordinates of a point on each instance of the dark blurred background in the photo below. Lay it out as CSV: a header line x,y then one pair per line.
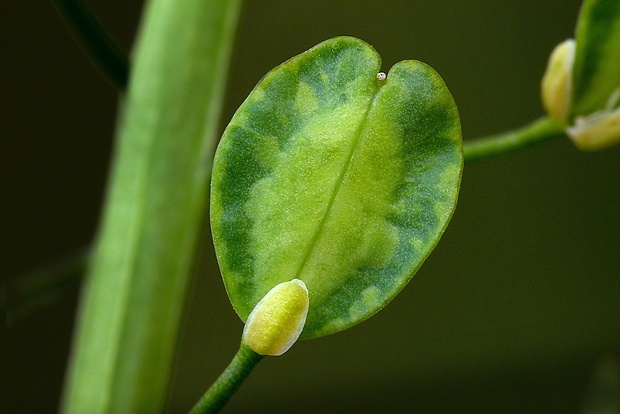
x,y
513,311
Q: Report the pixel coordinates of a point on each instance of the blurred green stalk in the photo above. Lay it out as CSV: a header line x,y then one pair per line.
x,y
154,214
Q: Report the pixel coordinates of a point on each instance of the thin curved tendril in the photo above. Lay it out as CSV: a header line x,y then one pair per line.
x,y
98,45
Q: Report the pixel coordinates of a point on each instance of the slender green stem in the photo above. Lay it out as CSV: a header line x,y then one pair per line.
x,y
227,384
106,55
541,130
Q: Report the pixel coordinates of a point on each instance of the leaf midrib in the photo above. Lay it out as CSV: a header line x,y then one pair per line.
x,y
332,199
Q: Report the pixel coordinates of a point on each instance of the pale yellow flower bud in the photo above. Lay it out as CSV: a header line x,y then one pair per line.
x,y
556,83
276,322
598,130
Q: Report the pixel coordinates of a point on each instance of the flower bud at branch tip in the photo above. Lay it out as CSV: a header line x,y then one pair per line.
x,y
600,129
589,131
556,85
276,322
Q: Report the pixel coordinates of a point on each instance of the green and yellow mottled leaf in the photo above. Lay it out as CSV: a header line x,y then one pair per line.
x,y
331,175
596,72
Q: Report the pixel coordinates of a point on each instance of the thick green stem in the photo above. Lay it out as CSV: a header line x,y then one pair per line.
x,y
541,130
108,57
227,384
139,275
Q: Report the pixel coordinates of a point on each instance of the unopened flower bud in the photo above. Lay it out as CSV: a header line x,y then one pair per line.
x,y
557,81
276,322
600,129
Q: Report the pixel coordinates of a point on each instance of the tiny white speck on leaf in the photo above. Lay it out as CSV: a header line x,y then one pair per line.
x,y
381,76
